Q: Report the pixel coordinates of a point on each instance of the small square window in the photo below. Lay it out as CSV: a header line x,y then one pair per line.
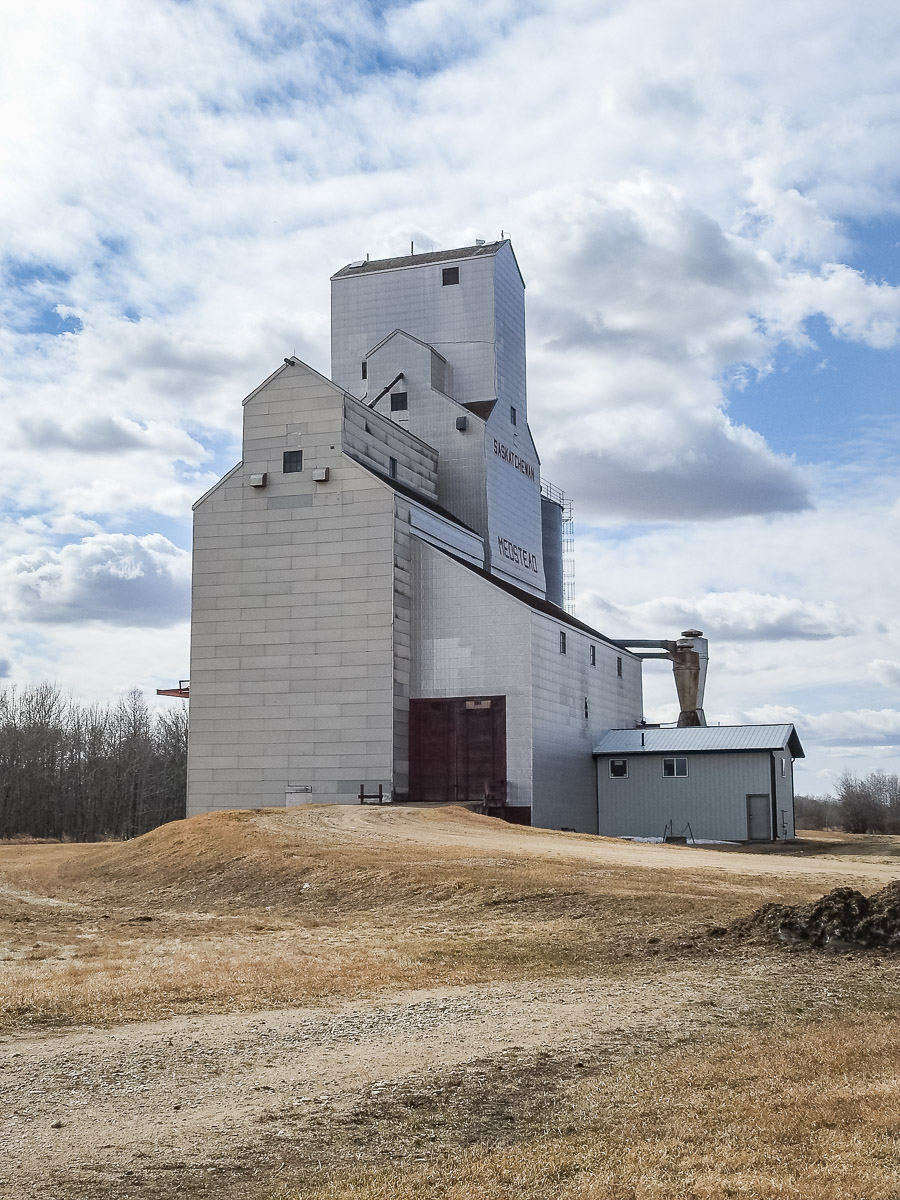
x,y
449,275
619,666
365,369
512,415
399,401
562,641
392,468
292,460
593,656
618,768
675,768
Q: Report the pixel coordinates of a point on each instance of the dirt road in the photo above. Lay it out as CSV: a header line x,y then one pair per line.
x,y
598,952
348,825
223,1104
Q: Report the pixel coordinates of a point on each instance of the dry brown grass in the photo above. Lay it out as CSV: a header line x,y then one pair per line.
x,y
242,910
812,1114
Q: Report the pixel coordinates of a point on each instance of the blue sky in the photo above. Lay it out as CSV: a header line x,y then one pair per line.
x,y
704,202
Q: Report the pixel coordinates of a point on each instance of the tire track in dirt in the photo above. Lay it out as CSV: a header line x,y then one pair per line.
x,y
128,1110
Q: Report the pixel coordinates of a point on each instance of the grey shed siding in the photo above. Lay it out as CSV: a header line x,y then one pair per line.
x,y
784,795
712,799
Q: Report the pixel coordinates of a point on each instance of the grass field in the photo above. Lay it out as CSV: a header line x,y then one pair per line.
x,y
702,1067
819,1119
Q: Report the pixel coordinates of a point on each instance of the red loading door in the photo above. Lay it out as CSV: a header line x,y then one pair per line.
x,y
457,749
432,751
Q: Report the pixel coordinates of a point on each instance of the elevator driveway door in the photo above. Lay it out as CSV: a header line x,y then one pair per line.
x,y
457,749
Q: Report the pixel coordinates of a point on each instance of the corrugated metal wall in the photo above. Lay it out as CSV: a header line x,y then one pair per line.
x,y
712,798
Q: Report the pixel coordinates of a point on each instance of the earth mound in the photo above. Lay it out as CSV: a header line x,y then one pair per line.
x,y
843,919
308,858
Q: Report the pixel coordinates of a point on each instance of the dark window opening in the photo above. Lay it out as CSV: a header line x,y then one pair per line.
x,y
392,468
449,275
619,666
399,401
593,656
587,711
512,415
365,369
562,641
618,768
292,460
675,768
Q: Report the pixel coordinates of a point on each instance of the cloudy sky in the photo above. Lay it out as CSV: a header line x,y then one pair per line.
x,y
704,201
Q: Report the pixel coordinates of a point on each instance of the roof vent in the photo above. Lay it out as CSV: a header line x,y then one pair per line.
x,y
479,241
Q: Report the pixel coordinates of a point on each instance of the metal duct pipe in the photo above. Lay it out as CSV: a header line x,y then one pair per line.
x,y
689,662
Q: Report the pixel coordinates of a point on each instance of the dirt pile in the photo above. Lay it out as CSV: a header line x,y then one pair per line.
x,y
298,859
843,919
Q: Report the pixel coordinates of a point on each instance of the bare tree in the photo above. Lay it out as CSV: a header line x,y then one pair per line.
x,y
69,770
861,804
816,812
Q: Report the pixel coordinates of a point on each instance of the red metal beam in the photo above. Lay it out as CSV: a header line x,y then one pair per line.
x,y
183,691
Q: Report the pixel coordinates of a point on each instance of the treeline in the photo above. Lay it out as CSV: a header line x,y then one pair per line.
x,y
87,772
863,804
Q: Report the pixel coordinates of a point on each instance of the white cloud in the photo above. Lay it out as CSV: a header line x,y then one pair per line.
x,y
678,211
885,672
735,616
113,577
856,728
446,27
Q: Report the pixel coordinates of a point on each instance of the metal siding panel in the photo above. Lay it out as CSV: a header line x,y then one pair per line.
x,y
469,638
784,798
712,799
564,773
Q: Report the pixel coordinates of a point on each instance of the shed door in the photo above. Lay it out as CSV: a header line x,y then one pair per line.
x,y
759,818
457,749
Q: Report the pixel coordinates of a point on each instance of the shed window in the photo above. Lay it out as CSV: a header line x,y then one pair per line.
x,y
292,460
399,401
562,641
618,768
619,666
513,419
365,369
449,275
783,769
587,710
593,656
675,768
392,468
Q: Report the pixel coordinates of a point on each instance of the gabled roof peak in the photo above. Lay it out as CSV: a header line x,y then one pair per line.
x,y
403,333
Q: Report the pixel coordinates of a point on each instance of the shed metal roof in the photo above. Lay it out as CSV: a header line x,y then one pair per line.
x,y
701,739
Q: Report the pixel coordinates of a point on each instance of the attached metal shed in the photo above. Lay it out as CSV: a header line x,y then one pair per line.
x,y
730,783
